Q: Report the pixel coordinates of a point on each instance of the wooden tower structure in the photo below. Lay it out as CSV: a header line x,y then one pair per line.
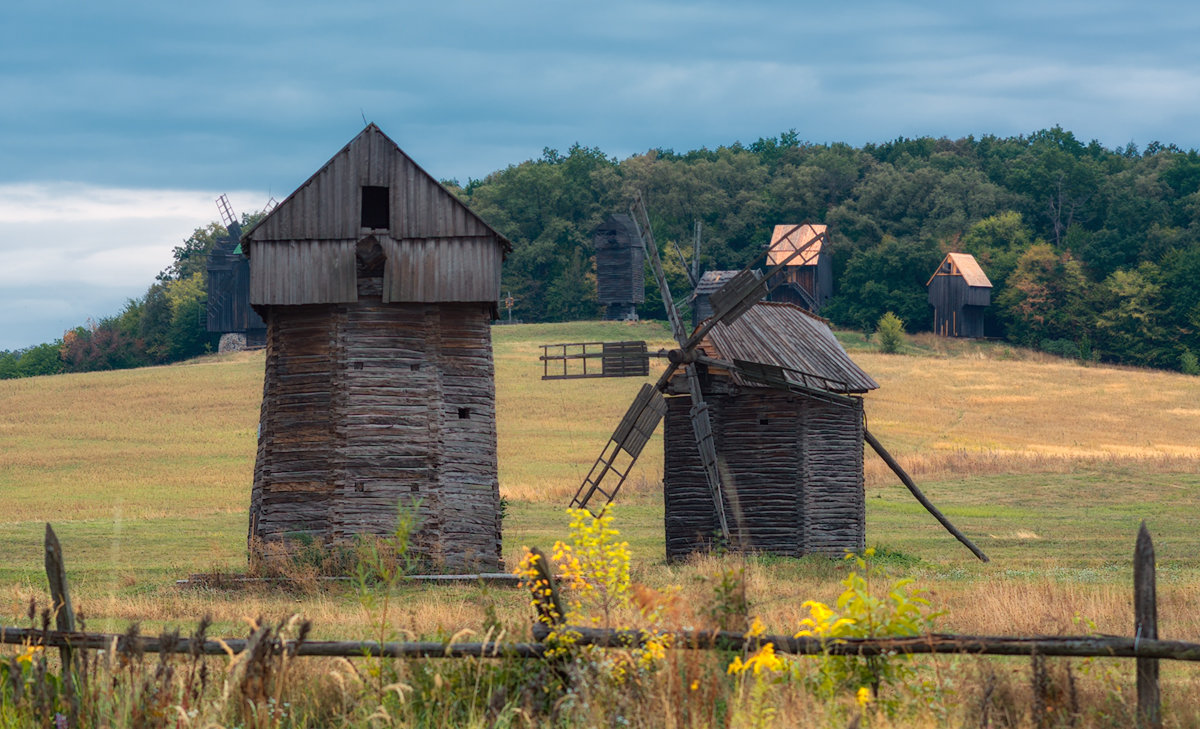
x,y
807,279
378,288
959,291
620,282
228,310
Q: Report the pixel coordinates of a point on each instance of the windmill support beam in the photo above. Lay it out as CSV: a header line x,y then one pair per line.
x,y
916,492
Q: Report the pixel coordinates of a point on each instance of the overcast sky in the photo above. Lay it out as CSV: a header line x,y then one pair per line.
x,y
120,121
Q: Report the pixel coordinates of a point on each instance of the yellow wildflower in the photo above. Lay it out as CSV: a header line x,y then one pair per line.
x,y
26,657
756,629
863,696
764,659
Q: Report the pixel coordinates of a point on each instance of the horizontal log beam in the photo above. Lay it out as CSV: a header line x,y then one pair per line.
x,y
1064,646
1079,646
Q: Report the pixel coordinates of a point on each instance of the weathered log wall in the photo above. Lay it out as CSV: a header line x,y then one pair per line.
x,y
370,406
834,499
792,475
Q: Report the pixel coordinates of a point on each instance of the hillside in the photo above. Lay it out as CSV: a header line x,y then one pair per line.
x,y
1048,464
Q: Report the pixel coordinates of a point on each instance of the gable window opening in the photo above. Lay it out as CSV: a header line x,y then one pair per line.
x,y
464,413
376,214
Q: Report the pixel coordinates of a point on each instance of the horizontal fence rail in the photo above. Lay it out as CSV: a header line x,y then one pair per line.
x,y
934,643
233,646
1082,646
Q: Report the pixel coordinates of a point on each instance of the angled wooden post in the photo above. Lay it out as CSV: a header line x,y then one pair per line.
x,y
64,612
1145,615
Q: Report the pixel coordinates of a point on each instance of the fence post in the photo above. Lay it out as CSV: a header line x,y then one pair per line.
x,y
545,591
64,614
1145,616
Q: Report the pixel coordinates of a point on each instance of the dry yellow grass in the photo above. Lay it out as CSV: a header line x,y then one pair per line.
x,y
985,410
988,415
146,474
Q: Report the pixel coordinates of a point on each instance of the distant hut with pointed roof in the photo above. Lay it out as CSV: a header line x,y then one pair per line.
x,y
378,288
959,291
807,280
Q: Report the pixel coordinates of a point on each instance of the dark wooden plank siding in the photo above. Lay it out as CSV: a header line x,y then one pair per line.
x,y
956,312
228,308
690,521
328,205
620,265
794,480
303,272
759,444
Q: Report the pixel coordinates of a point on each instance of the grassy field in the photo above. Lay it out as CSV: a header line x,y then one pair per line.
x,y
1048,465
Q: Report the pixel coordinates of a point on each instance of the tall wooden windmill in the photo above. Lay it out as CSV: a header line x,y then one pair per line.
x,y
764,426
620,285
378,288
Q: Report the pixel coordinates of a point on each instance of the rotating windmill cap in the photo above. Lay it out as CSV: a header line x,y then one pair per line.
x,y
717,488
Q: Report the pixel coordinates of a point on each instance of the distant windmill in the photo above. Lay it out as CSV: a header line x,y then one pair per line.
x,y
807,280
229,311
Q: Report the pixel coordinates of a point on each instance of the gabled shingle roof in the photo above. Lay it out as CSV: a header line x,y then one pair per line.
x,y
787,336
965,265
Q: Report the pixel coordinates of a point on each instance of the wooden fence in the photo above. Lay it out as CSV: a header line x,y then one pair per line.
x,y
1144,646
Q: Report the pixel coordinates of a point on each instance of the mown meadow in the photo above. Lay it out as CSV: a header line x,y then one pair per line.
x,y
1048,464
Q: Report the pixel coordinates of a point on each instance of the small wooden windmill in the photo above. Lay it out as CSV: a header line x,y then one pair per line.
x,y
228,310
764,424
807,279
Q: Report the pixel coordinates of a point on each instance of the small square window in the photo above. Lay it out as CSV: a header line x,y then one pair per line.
x,y
375,209
464,413
762,421
358,365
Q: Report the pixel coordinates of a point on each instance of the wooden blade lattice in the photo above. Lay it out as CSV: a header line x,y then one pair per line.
x,y
595,359
622,449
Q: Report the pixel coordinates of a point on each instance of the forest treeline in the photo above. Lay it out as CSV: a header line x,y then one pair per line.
x,y
1094,253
